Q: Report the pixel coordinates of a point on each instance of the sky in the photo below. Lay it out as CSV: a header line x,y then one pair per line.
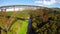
x,y
45,3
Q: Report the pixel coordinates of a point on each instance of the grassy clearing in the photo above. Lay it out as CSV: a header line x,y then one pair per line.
x,y
19,27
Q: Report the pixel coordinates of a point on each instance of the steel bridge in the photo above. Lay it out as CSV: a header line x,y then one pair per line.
x,y
18,7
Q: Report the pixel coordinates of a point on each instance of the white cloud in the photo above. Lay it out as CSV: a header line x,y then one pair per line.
x,y
44,2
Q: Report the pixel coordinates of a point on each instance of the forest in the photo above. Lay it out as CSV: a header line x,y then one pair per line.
x,y
39,21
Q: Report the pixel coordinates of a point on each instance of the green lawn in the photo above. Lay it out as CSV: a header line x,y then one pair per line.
x,y
19,27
